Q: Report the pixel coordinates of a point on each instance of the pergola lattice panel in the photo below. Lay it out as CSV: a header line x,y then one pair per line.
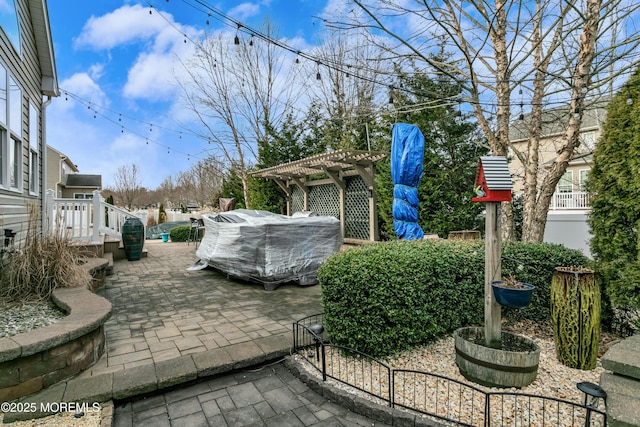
x,y
347,192
356,221
297,200
325,200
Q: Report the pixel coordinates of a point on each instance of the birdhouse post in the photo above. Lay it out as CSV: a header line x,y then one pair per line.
x,y
493,186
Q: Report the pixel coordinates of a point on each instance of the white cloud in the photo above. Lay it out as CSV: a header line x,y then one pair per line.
x,y
84,86
244,11
122,26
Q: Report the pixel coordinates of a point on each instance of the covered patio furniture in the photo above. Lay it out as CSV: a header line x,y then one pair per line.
x,y
268,248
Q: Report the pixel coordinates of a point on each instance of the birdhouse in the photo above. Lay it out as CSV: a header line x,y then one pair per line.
x,y
493,180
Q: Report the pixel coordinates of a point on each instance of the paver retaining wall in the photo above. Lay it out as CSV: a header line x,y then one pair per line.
x,y
32,361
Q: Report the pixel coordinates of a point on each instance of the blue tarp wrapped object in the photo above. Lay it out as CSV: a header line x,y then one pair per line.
x,y
407,152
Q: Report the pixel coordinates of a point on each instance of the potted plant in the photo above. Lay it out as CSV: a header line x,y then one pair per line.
x,y
512,293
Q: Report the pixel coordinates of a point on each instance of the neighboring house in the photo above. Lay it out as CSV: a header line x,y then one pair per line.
x,y
569,208
64,179
553,130
28,80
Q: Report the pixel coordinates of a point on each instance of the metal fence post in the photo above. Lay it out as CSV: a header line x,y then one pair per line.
x,y
487,410
324,364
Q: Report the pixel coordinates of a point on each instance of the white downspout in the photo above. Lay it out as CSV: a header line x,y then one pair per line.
x,y
43,181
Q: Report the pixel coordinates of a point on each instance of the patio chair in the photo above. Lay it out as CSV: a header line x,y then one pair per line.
x,y
195,230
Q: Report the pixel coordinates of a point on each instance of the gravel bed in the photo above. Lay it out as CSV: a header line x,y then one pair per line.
x,y
462,400
16,319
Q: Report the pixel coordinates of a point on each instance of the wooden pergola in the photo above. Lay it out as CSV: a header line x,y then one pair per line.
x,y
337,166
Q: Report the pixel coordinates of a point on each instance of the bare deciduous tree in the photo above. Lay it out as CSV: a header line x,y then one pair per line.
x,y
556,52
127,186
200,183
235,90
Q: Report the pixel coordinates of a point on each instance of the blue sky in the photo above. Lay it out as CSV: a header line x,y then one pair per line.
x,y
115,64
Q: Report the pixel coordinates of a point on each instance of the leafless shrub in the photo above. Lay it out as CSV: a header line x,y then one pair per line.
x,y
40,265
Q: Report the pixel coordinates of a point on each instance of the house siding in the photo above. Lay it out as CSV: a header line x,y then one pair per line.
x,y
24,67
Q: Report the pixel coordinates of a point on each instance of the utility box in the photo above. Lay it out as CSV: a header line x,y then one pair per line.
x,y
493,180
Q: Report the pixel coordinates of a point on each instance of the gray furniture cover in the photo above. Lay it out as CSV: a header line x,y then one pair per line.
x,y
268,248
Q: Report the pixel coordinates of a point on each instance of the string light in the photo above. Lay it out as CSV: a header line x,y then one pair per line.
x,y
229,21
629,98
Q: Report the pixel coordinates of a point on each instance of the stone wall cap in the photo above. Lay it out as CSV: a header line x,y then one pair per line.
x,y
86,312
623,359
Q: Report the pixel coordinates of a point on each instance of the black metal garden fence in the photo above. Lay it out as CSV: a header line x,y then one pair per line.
x,y
432,394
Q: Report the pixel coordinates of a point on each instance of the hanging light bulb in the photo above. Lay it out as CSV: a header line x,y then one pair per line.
x,y
251,40
318,76
629,98
576,113
236,39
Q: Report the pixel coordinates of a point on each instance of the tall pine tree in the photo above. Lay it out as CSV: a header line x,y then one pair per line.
x,y
614,187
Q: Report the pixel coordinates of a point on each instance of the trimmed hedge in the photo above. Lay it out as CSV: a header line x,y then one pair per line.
x,y
385,298
180,234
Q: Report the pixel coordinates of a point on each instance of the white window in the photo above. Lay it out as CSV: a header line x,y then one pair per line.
x,y
3,156
15,108
9,22
565,185
589,140
83,196
15,167
11,145
34,158
584,176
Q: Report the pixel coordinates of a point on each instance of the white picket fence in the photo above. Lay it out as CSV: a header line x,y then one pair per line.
x,y
86,219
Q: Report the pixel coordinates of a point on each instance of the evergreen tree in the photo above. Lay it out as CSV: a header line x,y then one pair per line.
x,y
450,158
614,187
294,140
162,214
232,187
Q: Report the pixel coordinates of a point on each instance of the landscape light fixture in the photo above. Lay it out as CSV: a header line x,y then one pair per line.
x,y
316,330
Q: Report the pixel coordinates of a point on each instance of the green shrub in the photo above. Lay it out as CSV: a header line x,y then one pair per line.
x,y
385,298
180,234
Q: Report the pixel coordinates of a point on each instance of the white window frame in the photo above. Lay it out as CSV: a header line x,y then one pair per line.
x,y
583,177
15,163
589,139
34,151
83,196
564,182
11,132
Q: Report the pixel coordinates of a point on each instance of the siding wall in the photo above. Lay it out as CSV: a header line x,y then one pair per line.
x,y
569,229
25,69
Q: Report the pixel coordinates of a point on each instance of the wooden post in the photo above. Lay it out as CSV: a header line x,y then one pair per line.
x,y
492,315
